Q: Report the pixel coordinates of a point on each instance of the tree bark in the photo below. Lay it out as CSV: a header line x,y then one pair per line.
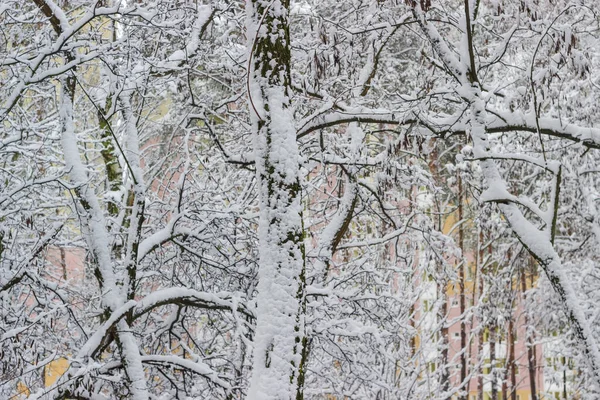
x,y
529,344
481,328
279,340
511,360
463,265
493,369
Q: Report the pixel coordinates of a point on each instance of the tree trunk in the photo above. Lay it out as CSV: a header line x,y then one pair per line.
x,y
463,265
480,265
529,344
279,357
511,360
493,369
444,342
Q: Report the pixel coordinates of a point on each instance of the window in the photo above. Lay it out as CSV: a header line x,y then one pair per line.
x,y
501,336
454,303
469,273
427,306
486,367
457,335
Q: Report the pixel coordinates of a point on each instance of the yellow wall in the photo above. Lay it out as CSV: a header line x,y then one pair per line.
x,y
54,370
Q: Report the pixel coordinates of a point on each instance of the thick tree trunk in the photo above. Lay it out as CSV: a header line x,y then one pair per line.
x,y
279,357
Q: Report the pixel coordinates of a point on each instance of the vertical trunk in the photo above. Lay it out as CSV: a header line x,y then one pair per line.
x,y
110,158
564,363
136,199
413,339
442,289
472,355
480,375
511,365
279,357
481,328
532,339
493,369
529,344
511,360
87,201
63,262
463,265
504,388
444,340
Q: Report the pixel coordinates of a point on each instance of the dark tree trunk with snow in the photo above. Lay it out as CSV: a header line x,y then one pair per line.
x,y
279,335
461,274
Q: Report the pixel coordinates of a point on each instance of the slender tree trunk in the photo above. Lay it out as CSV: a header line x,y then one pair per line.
x,y
529,343
564,363
463,265
279,341
63,262
511,360
493,369
109,156
445,373
480,375
504,388
505,371
481,328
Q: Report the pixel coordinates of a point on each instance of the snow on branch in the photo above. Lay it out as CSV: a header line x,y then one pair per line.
x,y
196,367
